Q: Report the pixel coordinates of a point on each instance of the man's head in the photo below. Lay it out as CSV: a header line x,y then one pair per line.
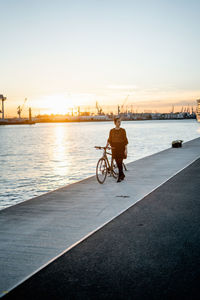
x,y
117,121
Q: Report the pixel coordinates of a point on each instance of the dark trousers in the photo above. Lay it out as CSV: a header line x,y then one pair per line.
x,y
119,161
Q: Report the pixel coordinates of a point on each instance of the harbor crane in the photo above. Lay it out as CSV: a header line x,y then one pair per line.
x,y
118,110
19,108
172,110
99,109
122,106
2,98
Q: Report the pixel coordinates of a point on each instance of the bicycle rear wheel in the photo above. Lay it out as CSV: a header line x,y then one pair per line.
x,y
124,167
101,170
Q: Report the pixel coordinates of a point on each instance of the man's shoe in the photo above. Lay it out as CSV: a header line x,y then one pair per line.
x,y
119,180
122,177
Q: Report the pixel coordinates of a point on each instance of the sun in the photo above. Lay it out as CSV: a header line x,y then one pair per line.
x,y
56,104
61,104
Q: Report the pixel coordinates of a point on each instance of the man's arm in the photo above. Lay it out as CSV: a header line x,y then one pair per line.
x,y
126,143
125,138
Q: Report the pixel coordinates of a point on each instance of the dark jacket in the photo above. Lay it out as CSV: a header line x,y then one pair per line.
x,y
118,140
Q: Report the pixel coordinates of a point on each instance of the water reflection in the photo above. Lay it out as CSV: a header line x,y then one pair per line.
x,y
59,151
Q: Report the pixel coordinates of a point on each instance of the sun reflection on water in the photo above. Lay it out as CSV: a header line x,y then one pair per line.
x,y
60,151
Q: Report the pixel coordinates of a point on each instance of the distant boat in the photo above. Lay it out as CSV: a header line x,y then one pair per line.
x,y
198,110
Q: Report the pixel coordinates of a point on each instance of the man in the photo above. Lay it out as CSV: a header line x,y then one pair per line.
x,y
118,140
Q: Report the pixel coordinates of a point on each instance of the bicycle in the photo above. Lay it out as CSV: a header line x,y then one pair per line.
x,y
105,167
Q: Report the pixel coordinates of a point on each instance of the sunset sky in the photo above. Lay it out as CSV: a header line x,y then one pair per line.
x,y
62,54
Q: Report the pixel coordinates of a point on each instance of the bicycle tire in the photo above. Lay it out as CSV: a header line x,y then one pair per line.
x,y
101,170
115,171
124,166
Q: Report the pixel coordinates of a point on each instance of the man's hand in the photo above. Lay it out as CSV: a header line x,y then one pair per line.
x,y
125,152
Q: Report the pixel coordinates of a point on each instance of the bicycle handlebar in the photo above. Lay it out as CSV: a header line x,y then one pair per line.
x,y
99,147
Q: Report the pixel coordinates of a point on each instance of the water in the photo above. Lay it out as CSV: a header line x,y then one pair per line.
x,y
35,159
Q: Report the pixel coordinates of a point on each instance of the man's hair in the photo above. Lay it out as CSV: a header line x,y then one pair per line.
x,y
116,118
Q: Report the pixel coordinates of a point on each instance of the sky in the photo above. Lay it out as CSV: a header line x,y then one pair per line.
x,y
63,54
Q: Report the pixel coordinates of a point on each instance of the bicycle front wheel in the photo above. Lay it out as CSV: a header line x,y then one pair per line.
x,y
101,170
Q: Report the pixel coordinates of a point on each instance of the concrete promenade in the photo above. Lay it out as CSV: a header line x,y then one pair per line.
x,y
37,231
151,251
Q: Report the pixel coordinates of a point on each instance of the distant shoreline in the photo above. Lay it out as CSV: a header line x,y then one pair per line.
x,y
88,121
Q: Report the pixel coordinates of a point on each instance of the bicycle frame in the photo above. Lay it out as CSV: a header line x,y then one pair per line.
x,y
109,166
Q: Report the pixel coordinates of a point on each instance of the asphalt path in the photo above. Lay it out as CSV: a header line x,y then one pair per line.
x,y
151,251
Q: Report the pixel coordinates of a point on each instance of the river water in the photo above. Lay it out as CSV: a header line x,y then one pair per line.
x,y
35,159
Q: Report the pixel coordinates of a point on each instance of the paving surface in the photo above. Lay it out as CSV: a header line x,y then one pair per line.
x,y
34,232
151,251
